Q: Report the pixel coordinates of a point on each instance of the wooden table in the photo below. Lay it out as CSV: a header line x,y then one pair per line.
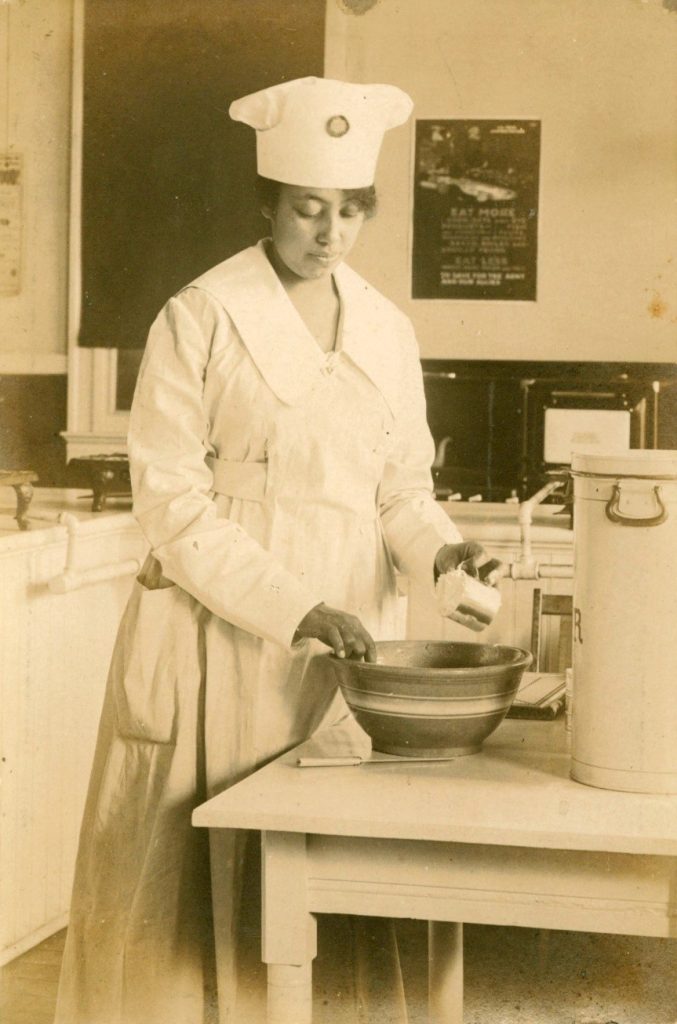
x,y
503,837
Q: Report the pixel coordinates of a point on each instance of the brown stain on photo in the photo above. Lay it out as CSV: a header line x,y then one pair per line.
x,y
356,6
657,307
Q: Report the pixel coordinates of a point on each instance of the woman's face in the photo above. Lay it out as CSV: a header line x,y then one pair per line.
x,y
313,229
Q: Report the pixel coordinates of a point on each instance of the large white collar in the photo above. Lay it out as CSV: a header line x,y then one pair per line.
x,y
279,342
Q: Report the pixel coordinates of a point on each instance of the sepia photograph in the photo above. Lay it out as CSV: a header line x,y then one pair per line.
x,y
338,512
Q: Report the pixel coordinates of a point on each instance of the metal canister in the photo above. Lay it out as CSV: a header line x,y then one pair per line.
x,y
624,720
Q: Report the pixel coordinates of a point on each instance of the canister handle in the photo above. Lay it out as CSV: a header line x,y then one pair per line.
x,y
616,516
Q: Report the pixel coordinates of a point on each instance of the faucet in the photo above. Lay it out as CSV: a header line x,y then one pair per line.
x,y
526,567
441,453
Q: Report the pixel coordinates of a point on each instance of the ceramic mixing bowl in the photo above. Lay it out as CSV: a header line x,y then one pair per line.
x,y
431,698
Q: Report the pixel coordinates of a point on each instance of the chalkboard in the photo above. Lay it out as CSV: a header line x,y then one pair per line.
x,y
168,178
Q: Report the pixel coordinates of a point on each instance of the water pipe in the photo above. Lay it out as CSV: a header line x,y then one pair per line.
x,y
526,567
72,578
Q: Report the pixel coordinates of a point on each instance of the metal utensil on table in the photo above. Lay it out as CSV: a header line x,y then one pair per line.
x,y
343,762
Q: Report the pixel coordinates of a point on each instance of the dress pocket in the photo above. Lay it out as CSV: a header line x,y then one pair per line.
x,y
151,660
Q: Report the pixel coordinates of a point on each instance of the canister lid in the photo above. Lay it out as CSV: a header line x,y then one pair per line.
x,y
636,462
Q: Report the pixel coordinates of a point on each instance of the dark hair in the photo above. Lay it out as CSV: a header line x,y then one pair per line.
x,y
268,193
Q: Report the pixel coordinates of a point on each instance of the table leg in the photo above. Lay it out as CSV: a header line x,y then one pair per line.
x,y
289,930
290,994
445,972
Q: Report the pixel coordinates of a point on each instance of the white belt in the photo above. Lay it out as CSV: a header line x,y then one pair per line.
x,y
246,480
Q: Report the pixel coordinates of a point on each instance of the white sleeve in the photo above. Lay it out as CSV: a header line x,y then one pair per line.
x,y
210,557
415,526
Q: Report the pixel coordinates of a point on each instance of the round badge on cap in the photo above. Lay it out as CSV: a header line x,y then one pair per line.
x,y
337,126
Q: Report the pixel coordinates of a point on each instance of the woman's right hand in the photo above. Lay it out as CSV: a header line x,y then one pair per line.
x,y
344,633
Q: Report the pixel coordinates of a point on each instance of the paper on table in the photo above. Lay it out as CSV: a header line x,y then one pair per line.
x,y
343,739
541,695
345,744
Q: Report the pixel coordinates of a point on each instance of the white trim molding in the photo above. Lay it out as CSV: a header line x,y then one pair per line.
x,y
20,364
95,425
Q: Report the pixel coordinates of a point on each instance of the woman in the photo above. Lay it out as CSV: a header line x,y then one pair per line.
x,y
280,467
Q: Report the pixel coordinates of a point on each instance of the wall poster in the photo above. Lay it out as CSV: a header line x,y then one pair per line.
x,y
10,224
475,209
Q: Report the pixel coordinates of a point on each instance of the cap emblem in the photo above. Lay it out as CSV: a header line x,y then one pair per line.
x,y
337,126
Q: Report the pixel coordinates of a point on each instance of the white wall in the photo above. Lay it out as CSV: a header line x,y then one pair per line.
x,y
35,84
601,75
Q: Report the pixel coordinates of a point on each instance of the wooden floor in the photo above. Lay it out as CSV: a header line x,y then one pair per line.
x,y
513,976
28,984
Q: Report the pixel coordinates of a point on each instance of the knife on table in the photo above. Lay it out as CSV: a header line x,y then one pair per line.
x,y
343,762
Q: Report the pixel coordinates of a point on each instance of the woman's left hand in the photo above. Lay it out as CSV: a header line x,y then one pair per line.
x,y
470,556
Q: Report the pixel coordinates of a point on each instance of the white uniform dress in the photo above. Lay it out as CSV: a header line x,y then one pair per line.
x,y
267,477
